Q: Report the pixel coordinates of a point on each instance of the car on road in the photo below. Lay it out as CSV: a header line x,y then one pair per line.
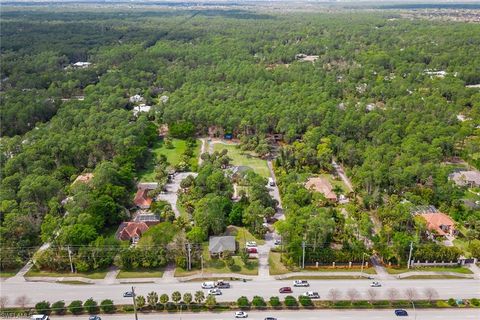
x,y
285,290
251,244
375,284
401,313
270,318
277,242
40,317
252,250
301,283
241,314
208,285
94,318
312,295
271,182
222,284
215,292
128,294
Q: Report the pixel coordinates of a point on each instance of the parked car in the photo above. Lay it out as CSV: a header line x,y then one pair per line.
x,y
241,314
271,182
270,318
401,313
312,295
251,244
39,317
128,294
252,250
301,283
215,292
94,318
277,242
222,284
208,285
375,284
285,290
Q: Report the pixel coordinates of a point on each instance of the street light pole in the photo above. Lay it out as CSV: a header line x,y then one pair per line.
x,y
134,303
363,261
410,254
303,254
414,310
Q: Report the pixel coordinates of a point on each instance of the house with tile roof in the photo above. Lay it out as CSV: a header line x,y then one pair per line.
x,y
322,185
439,223
131,231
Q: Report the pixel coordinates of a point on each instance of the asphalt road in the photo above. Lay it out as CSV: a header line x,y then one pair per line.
x,y
38,291
448,314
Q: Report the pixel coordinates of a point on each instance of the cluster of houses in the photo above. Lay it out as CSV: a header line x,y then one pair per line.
x,y
142,218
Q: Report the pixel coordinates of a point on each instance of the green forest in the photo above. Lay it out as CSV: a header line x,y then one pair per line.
x,y
382,97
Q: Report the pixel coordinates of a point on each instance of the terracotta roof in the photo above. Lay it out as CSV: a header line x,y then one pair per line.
x,y
142,200
129,230
321,185
435,221
84,178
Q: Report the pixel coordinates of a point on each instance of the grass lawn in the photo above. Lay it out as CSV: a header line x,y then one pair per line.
x,y
275,265
244,158
320,277
463,245
173,157
335,182
8,274
74,282
89,275
242,235
435,269
432,277
140,274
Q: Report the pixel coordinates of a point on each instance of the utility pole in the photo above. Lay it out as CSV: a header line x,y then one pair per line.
x,y
189,249
363,261
303,254
410,254
70,258
201,260
134,303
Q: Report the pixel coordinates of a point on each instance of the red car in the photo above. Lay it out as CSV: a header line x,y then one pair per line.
x,y
285,290
252,250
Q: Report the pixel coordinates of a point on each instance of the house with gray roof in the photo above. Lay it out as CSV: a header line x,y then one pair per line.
x,y
466,178
218,245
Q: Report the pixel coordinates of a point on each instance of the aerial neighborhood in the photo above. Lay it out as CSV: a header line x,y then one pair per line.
x,y
225,160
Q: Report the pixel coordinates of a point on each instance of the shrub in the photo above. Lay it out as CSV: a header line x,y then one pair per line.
x,y
475,302
361,304
170,306
242,302
107,306
43,307
401,304
275,302
59,307
128,308
305,301
76,307
452,302
381,303
91,306
290,301
342,304
258,302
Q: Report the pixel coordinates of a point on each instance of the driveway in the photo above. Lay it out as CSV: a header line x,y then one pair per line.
x,y
170,195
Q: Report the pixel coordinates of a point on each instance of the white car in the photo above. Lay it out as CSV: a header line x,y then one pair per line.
x,y
251,244
375,284
241,314
208,285
215,292
301,283
312,295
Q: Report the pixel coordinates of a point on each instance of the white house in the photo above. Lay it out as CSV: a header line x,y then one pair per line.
x,y
81,64
141,108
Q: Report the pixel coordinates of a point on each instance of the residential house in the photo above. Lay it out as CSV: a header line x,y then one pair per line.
x,y
136,98
217,246
440,223
131,231
142,200
148,218
81,64
84,178
141,108
466,178
322,185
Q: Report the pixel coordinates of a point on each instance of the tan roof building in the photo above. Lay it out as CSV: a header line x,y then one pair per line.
x,y
84,178
439,222
323,186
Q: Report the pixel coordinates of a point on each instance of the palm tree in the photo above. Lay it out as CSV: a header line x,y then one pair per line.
x,y
176,297
199,296
152,299
211,301
164,298
187,298
140,301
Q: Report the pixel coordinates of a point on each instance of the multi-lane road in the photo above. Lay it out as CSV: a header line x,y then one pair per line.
x,y
38,291
446,314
